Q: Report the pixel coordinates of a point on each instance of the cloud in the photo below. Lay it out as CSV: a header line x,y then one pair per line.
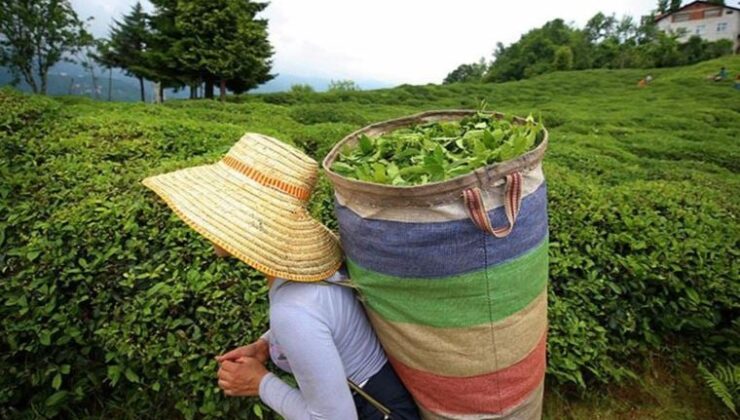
x,y
397,41
409,41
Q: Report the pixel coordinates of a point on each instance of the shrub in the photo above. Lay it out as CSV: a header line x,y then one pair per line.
x,y
107,301
110,306
302,89
633,267
343,86
563,58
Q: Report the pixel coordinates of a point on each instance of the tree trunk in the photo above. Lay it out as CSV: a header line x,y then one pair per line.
x,y
44,84
209,89
193,94
223,90
158,93
141,88
28,76
110,84
94,93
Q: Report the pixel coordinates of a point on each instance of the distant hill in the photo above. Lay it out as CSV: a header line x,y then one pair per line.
x,y
73,79
283,82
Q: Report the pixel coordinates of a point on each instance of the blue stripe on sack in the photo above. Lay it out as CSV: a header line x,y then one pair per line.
x,y
440,249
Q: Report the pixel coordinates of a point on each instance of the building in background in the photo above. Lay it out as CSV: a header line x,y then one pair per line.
x,y
710,21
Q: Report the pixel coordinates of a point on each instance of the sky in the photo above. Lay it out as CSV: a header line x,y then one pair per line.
x,y
393,41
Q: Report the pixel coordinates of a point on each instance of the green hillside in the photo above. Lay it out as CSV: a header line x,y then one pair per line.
x,y
109,305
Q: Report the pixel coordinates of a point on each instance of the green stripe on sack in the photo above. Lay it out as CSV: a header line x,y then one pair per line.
x,y
457,301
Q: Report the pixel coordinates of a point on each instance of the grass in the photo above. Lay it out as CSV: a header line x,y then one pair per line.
x,y
665,390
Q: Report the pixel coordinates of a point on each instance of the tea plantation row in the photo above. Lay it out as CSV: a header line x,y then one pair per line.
x,y
109,305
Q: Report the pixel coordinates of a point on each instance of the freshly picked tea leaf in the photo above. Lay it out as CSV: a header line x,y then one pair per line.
x,y
437,151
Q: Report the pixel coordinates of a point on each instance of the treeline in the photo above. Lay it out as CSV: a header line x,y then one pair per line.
x,y
190,43
604,42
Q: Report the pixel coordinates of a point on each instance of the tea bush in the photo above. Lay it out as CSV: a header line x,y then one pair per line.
x,y
110,306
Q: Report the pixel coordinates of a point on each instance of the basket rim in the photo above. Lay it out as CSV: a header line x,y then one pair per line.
x,y
434,192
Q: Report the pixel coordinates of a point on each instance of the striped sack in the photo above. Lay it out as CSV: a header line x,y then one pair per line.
x,y
454,279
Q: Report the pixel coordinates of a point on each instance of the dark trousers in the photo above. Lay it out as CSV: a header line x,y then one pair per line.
x,y
386,388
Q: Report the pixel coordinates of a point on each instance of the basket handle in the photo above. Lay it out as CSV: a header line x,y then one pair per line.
x,y
512,203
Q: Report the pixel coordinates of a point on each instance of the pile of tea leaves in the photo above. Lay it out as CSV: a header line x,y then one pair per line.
x,y
437,151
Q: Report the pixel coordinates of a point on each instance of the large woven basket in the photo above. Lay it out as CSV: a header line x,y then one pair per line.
x,y
454,278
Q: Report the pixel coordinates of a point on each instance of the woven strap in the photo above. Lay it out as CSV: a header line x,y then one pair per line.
x,y
512,202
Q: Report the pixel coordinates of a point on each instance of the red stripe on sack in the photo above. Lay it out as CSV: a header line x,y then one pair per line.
x,y
470,203
478,210
519,183
290,189
493,393
518,191
510,197
483,213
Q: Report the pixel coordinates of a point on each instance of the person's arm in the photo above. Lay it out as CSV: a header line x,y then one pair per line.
x,y
314,359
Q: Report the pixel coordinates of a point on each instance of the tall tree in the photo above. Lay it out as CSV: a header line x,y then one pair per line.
x,y
165,67
105,58
533,54
663,6
35,35
87,58
127,45
600,27
675,5
563,58
467,72
343,86
223,39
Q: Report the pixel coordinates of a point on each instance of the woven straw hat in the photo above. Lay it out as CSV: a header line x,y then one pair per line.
x,y
252,204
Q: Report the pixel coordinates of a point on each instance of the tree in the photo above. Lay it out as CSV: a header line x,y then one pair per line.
x,y
473,72
35,35
663,6
343,86
563,58
225,40
104,57
302,89
647,31
164,66
665,50
675,5
126,48
87,58
533,54
600,27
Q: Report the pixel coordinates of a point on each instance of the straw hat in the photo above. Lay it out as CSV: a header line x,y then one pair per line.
x,y
252,204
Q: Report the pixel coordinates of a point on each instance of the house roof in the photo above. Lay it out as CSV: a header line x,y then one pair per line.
x,y
664,15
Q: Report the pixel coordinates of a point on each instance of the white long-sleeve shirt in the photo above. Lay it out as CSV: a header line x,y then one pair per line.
x,y
320,333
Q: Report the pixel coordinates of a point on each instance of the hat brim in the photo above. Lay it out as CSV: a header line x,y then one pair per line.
x,y
262,226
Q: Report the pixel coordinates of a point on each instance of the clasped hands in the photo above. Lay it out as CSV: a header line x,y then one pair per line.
x,y
241,369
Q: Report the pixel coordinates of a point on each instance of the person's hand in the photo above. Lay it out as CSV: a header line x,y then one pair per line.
x,y
242,377
259,350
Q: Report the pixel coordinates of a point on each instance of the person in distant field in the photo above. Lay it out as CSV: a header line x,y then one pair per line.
x,y
722,75
252,205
